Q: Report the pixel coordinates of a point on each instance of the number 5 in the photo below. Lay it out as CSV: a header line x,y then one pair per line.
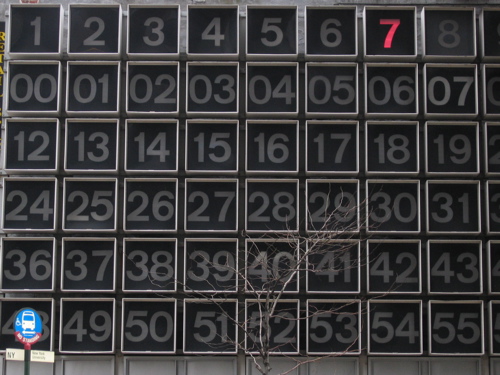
x,y
100,199
390,34
203,320
268,27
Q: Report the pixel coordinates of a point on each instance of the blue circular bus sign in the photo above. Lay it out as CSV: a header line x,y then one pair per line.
x,y
28,326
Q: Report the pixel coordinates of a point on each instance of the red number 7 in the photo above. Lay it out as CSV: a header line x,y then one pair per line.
x,y
390,35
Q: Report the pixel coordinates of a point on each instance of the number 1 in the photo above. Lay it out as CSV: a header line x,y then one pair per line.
x,y
390,34
37,25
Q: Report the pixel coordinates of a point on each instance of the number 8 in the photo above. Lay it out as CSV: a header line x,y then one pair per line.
x,y
285,205
450,32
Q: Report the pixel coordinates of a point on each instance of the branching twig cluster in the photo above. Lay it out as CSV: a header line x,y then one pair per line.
x,y
269,271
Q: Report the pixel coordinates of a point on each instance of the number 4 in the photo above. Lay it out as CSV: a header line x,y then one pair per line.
x,y
390,34
213,32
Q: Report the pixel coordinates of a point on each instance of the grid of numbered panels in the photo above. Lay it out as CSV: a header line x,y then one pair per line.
x,y
344,156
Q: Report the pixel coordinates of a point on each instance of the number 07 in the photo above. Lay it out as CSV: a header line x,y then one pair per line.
x,y
390,34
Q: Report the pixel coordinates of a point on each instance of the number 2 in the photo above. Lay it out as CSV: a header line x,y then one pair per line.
x,y
495,158
92,39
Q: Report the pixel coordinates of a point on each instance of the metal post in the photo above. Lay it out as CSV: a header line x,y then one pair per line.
x,y
27,358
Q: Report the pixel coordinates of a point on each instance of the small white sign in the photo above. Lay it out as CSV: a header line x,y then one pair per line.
x,y
36,355
14,354
42,356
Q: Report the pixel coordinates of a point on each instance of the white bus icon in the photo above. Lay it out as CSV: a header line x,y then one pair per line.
x,y
28,320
